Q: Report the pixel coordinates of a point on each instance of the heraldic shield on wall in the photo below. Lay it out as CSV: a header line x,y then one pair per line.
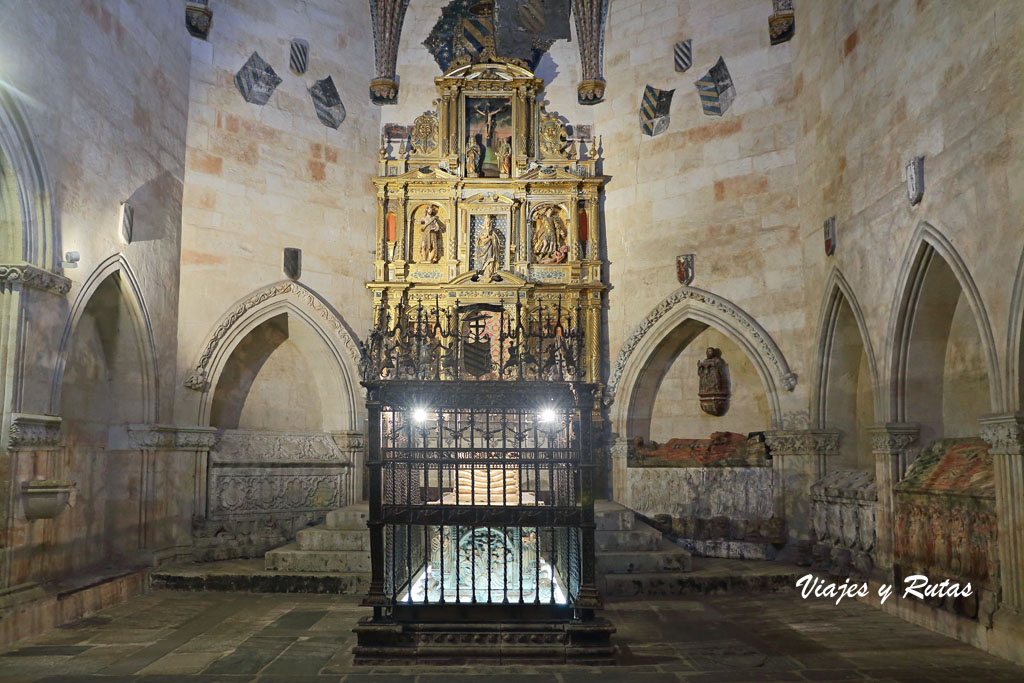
x,y
654,110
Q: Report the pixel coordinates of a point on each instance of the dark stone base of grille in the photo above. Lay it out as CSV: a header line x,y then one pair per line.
x,y
559,642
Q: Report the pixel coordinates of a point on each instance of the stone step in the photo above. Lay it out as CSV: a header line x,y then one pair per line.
x,y
325,538
685,583
290,558
669,558
733,550
641,538
255,579
611,516
351,517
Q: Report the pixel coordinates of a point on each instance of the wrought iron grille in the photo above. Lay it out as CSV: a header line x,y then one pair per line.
x,y
429,339
479,498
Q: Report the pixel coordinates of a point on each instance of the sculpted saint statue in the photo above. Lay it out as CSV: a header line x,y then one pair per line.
x,y
506,159
549,236
474,157
713,390
488,246
432,228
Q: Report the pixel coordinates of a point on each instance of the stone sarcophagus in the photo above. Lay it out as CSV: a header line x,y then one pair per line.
x,y
843,523
945,524
262,487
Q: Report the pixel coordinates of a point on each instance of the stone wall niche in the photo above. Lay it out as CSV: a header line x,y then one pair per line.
x,y
284,455
845,396
107,382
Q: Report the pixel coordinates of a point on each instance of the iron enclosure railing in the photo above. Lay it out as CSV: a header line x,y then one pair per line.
x,y
480,499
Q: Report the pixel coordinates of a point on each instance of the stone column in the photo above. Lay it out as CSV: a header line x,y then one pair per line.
x,y
889,443
1005,434
386,17
162,446
795,462
620,470
591,17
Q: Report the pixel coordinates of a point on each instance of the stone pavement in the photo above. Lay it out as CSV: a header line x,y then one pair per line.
x,y
183,637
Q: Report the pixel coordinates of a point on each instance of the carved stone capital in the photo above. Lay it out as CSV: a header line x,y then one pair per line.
x,y
349,441
195,438
622,447
893,438
37,278
34,433
151,437
1004,433
163,437
802,442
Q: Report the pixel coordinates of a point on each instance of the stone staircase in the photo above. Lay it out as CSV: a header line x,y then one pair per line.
x,y
340,545
633,559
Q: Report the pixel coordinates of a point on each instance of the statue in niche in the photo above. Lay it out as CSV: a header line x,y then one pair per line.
x,y
714,383
549,236
474,157
506,159
488,245
431,228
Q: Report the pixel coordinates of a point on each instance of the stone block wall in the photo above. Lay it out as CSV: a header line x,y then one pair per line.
x,y
99,91
843,524
721,187
260,178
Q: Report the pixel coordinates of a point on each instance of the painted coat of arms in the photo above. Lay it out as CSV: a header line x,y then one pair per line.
x,y
830,235
654,110
684,268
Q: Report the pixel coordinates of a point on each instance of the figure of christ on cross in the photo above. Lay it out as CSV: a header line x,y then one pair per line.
x,y
491,114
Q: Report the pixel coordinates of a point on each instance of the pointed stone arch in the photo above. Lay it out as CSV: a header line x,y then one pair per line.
x,y
34,238
837,292
337,345
929,256
1015,344
114,267
843,347
690,304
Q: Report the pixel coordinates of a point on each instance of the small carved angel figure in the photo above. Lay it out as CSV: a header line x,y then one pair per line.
x,y
430,240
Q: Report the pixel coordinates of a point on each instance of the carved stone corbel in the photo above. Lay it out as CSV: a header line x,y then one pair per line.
x,y
591,18
30,276
386,17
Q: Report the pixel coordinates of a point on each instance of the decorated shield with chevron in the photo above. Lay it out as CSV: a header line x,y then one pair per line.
x,y
654,110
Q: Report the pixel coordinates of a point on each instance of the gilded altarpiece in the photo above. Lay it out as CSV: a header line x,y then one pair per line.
x,y
487,203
